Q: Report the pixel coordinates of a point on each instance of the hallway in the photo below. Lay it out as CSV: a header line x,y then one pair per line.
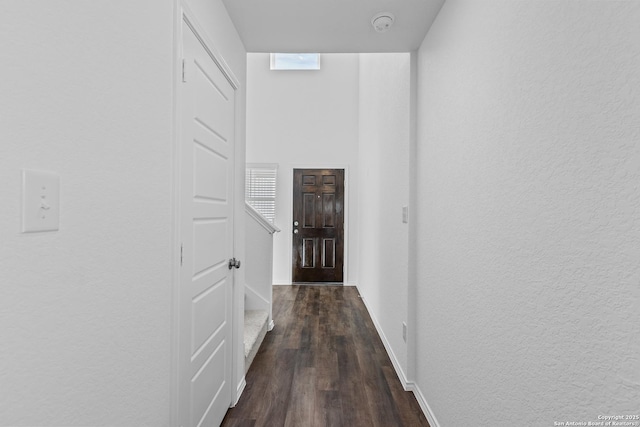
x,y
492,167
323,365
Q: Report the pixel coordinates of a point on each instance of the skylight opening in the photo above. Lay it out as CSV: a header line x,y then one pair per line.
x,y
295,61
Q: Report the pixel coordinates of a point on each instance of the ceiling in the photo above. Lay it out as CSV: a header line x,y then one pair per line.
x,y
323,26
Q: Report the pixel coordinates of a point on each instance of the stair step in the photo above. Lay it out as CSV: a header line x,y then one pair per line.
x,y
255,329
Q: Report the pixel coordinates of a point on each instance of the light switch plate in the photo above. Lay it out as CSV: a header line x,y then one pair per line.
x,y
40,201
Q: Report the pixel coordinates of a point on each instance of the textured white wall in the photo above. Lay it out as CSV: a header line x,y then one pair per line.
x,y
384,120
305,119
529,210
85,311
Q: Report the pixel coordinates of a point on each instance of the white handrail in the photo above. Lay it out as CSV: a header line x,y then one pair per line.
x,y
271,228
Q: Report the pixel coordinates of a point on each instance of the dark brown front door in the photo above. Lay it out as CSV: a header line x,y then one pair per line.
x,y
318,225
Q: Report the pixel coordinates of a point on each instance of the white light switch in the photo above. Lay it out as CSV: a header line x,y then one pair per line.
x,y
405,214
40,201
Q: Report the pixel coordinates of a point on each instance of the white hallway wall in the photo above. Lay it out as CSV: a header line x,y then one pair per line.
x,y
384,164
86,311
305,119
529,212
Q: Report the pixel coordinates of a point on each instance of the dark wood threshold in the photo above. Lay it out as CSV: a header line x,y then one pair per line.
x,y
318,283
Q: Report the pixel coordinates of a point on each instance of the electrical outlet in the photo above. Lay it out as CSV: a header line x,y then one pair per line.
x,y
405,214
404,331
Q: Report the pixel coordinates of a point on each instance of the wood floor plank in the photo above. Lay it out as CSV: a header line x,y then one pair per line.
x,y
241,423
330,406
302,407
323,365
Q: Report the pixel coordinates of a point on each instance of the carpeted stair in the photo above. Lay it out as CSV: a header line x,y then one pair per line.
x,y
255,329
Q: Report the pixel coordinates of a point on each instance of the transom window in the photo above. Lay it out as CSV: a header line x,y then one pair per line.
x,y
295,61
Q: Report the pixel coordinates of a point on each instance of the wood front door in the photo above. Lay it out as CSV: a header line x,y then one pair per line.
x,y
318,225
206,233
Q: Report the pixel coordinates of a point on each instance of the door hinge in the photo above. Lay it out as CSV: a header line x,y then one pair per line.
x,y
184,73
181,255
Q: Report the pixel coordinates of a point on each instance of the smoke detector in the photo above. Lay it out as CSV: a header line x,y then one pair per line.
x,y
382,21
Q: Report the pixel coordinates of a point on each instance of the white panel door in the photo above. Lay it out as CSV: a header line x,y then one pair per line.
x,y
206,188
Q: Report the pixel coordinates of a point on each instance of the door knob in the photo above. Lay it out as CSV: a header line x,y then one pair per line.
x,y
295,223
234,263
295,231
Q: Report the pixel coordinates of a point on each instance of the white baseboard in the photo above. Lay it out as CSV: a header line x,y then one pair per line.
x,y
394,360
271,325
426,409
239,391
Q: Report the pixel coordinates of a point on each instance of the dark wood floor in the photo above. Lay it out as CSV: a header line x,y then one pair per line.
x,y
323,365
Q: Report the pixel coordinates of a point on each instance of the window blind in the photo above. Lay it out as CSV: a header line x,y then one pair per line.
x,y
260,189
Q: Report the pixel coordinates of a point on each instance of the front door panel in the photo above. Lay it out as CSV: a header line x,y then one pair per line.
x,y
318,227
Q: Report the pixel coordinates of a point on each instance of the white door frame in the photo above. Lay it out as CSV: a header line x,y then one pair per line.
x,y
184,16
